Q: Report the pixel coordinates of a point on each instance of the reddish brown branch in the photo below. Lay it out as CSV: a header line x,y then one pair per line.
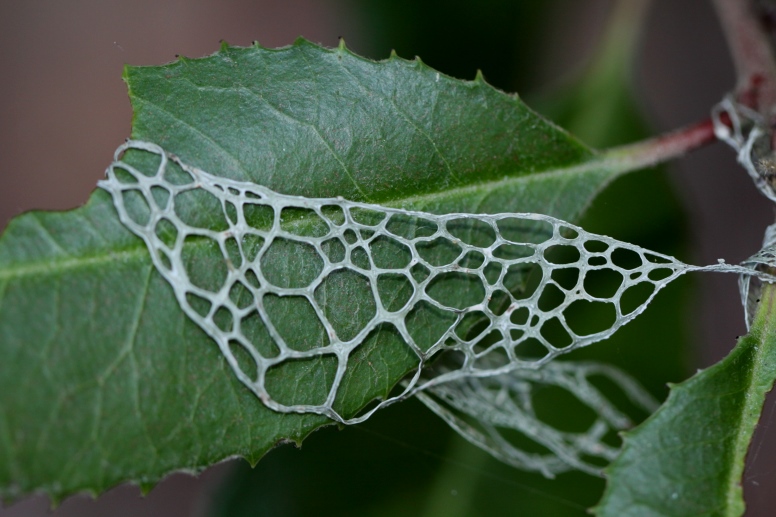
x,y
667,146
752,54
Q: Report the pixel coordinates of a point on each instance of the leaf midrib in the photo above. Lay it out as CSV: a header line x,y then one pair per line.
x,y
58,265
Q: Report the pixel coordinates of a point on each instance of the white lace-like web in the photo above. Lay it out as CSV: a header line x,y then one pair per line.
x,y
471,298
748,136
480,408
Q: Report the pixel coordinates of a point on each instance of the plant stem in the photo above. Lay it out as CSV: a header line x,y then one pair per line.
x,y
663,147
752,54
755,64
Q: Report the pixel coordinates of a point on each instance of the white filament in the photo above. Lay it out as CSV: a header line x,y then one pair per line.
x,y
491,384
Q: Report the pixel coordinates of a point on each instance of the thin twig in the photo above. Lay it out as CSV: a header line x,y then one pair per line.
x,y
665,147
752,53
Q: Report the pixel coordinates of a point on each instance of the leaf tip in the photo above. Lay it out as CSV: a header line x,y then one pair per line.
x,y
125,73
301,41
146,487
342,46
224,45
55,500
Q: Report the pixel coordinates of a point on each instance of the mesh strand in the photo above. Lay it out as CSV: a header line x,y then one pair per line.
x,y
516,299
748,134
540,238
483,409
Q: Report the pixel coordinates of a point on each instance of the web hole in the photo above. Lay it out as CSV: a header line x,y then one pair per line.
x,y
301,381
252,279
296,321
472,325
566,277
233,254
240,295
200,209
626,259
254,331
200,305
499,301
635,297
231,213
530,350
165,259
245,361
410,227
494,357
258,216
347,301
457,290
350,236
492,272
123,176
291,264
551,298
553,331
595,246
472,231
146,163
366,216
472,260
525,231
602,283
427,324
586,318
334,250
175,175
303,222
395,290
161,196
656,275
486,342
656,259
562,254
223,319
333,214
359,258
439,252
514,251
166,232
419,272
389,253
251,246
522,280
204,263
520,316
136,206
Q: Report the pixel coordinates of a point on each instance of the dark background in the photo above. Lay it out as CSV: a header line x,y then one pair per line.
x,y
64,109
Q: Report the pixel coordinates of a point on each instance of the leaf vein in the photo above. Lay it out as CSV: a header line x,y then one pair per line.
x,y
218,147
410,121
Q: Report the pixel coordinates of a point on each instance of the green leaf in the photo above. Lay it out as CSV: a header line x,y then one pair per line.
x,y
105,380
420,465
688,458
